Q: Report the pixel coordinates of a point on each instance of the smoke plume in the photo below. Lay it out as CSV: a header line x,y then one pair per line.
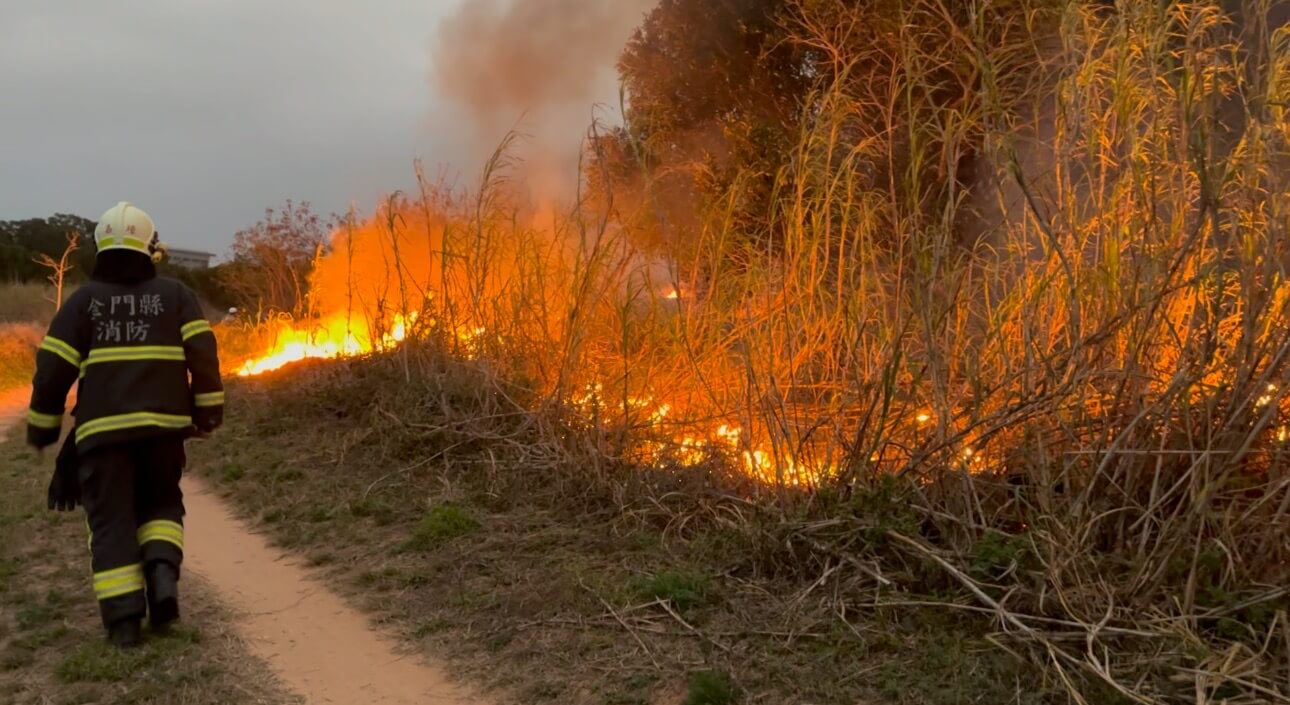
x,y
539,66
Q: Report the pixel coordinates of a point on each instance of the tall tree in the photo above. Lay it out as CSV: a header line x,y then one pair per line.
x,y
715,93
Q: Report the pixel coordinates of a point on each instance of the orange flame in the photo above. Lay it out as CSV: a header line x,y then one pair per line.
x,y
329,339
414,263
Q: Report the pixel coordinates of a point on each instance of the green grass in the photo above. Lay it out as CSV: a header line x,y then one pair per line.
x,y
710,688
98,662
377,510
36,615
996,553
233,472
442,524
683,590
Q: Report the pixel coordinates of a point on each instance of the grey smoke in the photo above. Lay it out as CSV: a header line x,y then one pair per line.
x,y
540,66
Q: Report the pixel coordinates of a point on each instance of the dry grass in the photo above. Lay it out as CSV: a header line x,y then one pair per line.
x,y
492,554
26,303
24,311
51,642
18,343
1064,383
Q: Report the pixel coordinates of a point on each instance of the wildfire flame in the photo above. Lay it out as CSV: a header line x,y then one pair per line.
x,y
476,312
341,336
338,337
329,339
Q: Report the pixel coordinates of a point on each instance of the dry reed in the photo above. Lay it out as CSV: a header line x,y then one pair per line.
x,y
1069,370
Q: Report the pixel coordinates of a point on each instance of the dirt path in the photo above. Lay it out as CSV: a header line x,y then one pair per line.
x,y
319,647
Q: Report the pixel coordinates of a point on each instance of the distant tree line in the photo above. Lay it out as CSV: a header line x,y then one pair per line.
x,y
268,273
25,243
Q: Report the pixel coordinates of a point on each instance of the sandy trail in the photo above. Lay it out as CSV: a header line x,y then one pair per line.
x,y
320,648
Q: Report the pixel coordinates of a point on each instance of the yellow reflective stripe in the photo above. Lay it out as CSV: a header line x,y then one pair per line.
x,y
45,421
119,572
135,420
195,328
162,530
120,591
61,349
203,401
141,352
131,242
118,581
125,581
120,585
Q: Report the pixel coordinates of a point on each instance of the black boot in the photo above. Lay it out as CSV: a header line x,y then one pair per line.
x,y
126,634
163,595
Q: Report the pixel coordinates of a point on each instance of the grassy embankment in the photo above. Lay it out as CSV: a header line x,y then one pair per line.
x,y
1017,316
51,641
439,508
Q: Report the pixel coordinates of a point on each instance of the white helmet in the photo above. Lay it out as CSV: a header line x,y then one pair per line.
x,y
125,227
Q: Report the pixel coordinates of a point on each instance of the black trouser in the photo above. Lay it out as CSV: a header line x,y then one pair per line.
x,y
136,513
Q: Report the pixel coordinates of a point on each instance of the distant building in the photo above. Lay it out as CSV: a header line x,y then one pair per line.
x,y
189,259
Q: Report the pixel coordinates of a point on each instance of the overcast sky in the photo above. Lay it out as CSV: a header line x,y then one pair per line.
x,y
204,112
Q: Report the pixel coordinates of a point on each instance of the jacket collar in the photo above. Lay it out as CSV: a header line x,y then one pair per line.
x,y
123,267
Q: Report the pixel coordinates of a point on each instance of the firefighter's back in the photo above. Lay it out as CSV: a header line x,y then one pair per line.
x,y
134,375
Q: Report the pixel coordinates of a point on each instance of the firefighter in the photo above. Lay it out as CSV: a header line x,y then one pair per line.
x,y
145,361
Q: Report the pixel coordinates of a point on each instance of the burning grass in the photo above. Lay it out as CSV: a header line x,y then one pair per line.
x,y
506,540
1049,402
18,354
542,570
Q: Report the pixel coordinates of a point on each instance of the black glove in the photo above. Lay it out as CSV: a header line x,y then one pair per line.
x,y
65,486
207,420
